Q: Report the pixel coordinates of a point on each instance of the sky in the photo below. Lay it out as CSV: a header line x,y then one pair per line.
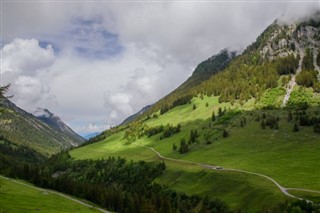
x,y
94,63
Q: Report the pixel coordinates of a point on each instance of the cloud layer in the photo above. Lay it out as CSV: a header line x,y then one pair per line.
x,y
94,64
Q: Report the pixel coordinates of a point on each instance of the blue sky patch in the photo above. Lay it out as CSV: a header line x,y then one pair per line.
x,y
92,39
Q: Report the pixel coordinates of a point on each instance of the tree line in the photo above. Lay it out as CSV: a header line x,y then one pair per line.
x,y
112,183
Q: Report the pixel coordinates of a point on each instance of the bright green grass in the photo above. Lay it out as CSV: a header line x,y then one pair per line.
x,y
240,191
18,198
315,197
185,113
113,146
292,159
272,97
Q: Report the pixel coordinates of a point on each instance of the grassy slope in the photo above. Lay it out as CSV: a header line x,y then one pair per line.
x,y
18,198
290,158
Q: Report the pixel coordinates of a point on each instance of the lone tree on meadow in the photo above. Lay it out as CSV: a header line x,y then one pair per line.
x,y
213,117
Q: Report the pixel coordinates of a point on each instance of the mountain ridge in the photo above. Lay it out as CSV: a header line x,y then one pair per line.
x,y
23,128
52,120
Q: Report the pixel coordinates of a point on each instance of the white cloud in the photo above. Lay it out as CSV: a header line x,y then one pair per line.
x,y
26,56
22,60
90,128
110,59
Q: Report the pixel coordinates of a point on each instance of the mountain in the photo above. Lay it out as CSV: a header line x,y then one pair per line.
x,y
203,71
286,53
243,128
136,115
46,134
90,135
54,121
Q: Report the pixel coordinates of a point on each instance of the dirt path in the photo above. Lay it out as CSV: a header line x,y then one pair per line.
x,y
284,190
56,193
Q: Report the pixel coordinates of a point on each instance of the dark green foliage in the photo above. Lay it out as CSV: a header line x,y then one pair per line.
x,y
264,115
220,111
316,128
213,116
112,183
295,206
287,65
289,116
295,127
193,136
272,122
307,62
227,116
133,131
240,81
21,153
183,146
225,133
181,101
164,109
174,147
318,57
307,78
170,130
150,131
241,123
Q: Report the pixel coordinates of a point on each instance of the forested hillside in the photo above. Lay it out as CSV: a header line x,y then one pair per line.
x,y
21,128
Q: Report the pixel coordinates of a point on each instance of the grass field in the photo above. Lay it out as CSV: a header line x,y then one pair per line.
x,y
240,191
315,197
291,158
19,198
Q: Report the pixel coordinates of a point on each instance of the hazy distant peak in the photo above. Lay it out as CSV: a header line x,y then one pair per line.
x,y
40,112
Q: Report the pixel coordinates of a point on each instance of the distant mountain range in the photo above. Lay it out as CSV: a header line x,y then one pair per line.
x,y
90,135
43,132
136,115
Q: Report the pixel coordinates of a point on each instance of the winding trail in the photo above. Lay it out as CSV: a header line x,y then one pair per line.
x,y
56,193
284,190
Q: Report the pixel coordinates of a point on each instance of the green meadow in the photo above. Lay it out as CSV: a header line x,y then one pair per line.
x,y
15,197
291,158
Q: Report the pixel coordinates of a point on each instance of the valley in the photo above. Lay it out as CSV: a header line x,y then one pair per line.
x,y
248,148
241,134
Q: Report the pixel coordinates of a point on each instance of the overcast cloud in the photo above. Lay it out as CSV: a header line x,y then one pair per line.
x,y
93,64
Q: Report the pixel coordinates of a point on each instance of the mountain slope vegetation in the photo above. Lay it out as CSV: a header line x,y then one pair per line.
x,y
241,134
21,128
258,112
